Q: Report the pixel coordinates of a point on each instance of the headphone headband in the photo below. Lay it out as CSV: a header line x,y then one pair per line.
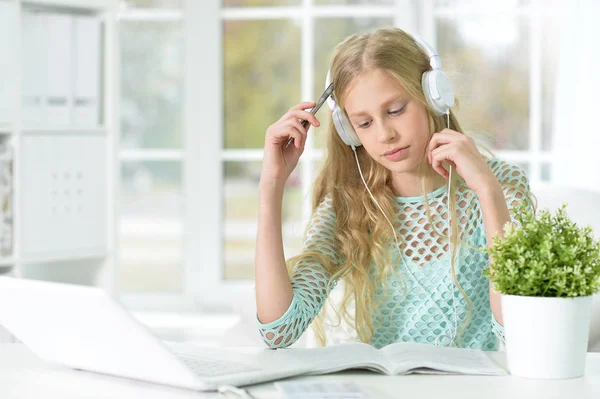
x,y
434,58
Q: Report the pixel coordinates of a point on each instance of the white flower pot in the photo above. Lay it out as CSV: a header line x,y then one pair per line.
x,y
546,337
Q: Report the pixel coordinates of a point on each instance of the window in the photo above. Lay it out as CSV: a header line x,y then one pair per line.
x,y
201,82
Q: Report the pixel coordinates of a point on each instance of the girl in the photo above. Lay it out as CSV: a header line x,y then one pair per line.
x,y
408,248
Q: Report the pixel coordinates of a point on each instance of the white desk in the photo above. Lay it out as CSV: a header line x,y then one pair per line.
x,y
23,375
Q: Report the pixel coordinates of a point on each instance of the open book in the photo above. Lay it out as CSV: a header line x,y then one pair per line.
x,y
394,359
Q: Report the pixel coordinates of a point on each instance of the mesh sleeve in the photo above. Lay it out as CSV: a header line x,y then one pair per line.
x,y
515,185
309,282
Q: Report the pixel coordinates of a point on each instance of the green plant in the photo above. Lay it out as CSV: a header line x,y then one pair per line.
x,y
546,256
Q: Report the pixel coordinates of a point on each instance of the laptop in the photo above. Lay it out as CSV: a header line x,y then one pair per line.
x,y
82,327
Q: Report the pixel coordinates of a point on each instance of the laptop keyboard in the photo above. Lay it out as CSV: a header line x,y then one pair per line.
x,y
209,367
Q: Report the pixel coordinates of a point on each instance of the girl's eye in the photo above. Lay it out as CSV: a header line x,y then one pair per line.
x,y
397,111
392,112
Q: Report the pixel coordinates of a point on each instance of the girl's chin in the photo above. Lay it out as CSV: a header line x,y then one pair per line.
x,y
404,166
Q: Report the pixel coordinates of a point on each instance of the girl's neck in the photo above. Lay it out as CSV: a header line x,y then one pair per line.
x,y
409,184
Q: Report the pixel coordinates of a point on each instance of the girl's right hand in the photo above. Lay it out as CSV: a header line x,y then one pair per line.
x,y
279,161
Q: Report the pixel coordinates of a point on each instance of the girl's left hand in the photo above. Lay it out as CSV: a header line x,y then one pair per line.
x,y
461,152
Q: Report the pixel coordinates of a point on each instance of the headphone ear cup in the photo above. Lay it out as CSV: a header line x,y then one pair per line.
x,y
438,91
344,128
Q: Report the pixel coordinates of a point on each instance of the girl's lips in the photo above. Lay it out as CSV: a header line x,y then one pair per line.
x,y
397,154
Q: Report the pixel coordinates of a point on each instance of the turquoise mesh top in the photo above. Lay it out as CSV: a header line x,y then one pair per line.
x,y
415,318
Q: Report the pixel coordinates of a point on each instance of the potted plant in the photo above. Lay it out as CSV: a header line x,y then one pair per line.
x,y
546,270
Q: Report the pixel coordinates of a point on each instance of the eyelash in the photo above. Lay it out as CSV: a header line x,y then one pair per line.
x,y
393,113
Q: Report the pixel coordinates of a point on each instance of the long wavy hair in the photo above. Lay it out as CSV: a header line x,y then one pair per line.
x,y
361,231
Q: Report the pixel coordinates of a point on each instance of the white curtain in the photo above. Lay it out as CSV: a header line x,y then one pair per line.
x,y
576,131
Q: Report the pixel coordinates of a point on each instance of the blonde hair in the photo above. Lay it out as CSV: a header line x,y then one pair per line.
x,y
361,232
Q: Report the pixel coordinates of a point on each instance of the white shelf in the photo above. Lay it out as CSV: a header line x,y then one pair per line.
x,y
6,262
62,80
66,130
92,5
65,257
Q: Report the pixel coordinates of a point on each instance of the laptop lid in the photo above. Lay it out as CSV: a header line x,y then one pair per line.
x,y
82,327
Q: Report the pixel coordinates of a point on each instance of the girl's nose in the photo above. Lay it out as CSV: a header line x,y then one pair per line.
x,y
386,133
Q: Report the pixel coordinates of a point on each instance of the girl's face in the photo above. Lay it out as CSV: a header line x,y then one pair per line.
x,y
392,127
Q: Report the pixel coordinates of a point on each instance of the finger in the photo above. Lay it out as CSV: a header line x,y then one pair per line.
x,y
294,123
301,106
293,133
446,136
305,116
281,130
440,138
297,127
432,147
435,145
438,156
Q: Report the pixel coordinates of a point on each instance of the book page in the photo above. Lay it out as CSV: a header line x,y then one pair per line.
x,y
337,357
409,357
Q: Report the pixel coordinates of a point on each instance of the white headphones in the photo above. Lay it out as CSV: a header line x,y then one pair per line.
x,y
437,89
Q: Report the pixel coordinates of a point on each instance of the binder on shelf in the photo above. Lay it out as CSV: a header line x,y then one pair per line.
x,y
33,75
86,60
61,70
59,94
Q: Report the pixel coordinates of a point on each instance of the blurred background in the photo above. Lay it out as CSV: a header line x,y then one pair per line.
x,y
170,100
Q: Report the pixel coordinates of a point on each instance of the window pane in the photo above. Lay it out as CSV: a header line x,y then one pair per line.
x,y
151,227
259,3
546,171
261,83
328,33
152,3
151,84
550,57
241,215
487,59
